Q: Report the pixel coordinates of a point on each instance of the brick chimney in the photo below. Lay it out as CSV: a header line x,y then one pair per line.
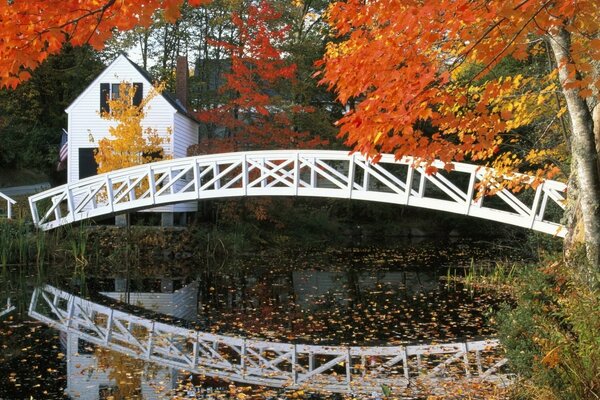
x,y
181,80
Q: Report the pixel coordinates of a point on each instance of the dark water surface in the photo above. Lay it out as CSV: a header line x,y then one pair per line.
x,y
369,295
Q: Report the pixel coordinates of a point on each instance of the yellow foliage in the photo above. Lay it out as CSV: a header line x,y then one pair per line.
x,y
129,143
126,372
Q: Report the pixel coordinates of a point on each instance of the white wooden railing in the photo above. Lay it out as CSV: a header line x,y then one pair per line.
x,y
297,173
8,309
9,203
345,369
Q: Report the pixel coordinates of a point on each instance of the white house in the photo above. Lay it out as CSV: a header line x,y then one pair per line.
x,y
87,381
165,113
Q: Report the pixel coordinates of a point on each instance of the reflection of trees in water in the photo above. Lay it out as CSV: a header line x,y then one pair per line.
x,y
353,306
126,372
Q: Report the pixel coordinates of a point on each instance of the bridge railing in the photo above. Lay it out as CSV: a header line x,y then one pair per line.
x,y
9,204
311,173
8,309
346,369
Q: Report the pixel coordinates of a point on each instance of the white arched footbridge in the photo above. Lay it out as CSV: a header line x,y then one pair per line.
x,y
318,173
407,370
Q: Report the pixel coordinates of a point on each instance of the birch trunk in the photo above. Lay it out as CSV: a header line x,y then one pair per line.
x,y
583,148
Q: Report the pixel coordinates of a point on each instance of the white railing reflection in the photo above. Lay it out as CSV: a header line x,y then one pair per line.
x,y
346,369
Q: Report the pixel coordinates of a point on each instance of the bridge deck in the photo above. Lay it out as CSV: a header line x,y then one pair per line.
x,y
346,369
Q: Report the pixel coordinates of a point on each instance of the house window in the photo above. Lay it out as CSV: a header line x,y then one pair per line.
x,y
114,90
87,163
111,91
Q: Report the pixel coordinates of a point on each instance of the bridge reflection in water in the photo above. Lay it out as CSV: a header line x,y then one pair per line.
x,y
343,369
93,374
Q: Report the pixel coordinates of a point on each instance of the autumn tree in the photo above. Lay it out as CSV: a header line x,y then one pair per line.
x,y
32,115
400,68
255,112
308,35
34,30
253,109
129,143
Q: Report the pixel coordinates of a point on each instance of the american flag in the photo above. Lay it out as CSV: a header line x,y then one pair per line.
x,y
63,151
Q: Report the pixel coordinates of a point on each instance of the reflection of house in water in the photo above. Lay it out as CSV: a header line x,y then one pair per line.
x,y
169,296
166,296
312,288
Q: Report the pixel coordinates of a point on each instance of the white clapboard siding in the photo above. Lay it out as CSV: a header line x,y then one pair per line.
x,y
182,303
85,378
185,134
87,128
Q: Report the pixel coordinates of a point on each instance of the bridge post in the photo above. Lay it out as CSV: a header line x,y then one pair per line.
x,y
121,220
465,358
243,356
422,182
408,186
35,215
536,203
151,184
216,178
313,173
150,342
245,180
295,365
197,180
470,191
366,175
351,169
405,365
348,369
167,219
109,327
296,173
195,350
56,206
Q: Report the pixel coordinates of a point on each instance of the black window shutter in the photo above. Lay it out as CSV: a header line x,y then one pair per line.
x,y
139,93
104,93
87,163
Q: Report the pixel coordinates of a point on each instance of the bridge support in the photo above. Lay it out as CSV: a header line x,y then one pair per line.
x,y
122,220
167,219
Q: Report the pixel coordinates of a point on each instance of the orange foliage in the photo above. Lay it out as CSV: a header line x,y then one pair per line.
x,y
34,29
400,65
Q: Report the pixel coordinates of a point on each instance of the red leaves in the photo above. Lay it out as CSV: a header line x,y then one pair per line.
x,y
403,62
33,30
254,111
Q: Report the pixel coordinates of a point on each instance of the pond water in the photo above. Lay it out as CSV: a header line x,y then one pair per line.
x,y
362,295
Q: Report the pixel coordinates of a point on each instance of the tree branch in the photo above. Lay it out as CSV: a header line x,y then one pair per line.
x,y
511,41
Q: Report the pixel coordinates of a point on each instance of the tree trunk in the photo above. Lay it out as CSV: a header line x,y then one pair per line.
x,y
583,148
596,119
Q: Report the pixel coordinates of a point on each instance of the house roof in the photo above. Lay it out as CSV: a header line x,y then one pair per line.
x,y
174,101
170,98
